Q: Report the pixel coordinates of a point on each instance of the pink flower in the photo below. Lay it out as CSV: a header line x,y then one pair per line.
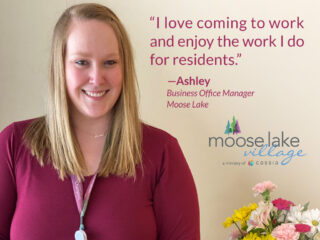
x,y
286,231
302,228
262,187
282,204
260,216
235,234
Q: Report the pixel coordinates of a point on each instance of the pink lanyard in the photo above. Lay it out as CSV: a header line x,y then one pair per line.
x,y
82,201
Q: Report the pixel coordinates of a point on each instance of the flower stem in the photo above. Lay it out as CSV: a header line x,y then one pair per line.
x,y
286,216
239,229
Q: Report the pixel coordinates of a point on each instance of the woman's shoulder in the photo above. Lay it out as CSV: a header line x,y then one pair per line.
x,y
156,135
12,142
156,142
16,129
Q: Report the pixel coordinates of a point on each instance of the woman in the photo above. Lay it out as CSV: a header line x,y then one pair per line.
x,y
90,169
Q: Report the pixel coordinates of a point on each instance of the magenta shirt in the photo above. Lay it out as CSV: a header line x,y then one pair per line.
x,y
35,204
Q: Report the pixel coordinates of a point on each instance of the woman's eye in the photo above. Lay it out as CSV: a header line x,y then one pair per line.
x,y
110,62
82,62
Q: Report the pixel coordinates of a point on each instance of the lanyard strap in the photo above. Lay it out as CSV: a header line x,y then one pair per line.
x,y
82,201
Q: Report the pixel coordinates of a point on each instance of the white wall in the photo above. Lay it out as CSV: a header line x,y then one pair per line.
x,y
285,81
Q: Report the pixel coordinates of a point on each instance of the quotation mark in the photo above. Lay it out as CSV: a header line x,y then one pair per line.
x,y
238,56
152,18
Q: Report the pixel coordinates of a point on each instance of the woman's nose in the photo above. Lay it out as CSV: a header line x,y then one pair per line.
x,y
96,75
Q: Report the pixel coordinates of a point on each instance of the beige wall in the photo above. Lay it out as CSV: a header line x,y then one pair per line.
x,y
286,82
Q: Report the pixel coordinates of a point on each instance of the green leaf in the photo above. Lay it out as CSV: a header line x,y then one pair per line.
x,y
305,207
245,228
258,231
266,195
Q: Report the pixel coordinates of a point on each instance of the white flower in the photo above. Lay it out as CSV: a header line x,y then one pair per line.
x,y
317,237
295,214
312,218
260,216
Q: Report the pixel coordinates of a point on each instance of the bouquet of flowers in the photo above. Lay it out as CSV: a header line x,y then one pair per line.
x,y
279,219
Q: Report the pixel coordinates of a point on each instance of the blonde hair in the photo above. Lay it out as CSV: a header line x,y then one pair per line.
x,y
51,138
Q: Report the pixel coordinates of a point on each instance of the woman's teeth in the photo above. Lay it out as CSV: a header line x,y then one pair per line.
x,y
95,94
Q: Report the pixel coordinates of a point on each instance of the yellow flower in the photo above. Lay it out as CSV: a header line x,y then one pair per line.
x,y
252,236
240,214
228,222
243,214
253,206
268,237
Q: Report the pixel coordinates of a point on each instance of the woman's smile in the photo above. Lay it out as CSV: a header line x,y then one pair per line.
x,y
95,94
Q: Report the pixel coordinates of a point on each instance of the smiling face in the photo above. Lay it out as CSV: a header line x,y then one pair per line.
x,y
93,68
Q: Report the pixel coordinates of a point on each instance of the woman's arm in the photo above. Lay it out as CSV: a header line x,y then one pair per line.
x,y
8,194
175,199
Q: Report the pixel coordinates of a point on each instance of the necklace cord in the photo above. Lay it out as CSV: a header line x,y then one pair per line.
x,y
78,194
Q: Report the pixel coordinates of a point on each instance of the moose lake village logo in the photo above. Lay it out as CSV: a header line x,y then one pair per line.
x,y
268,149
